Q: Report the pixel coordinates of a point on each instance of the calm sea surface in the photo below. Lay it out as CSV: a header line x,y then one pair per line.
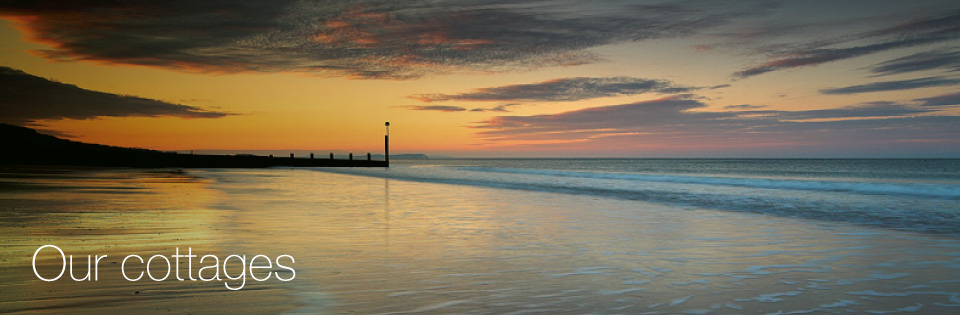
x,y
922,195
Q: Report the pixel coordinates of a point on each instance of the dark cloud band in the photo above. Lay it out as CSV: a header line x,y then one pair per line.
x,y
25,98
439,108
927,30
565,89
941,100
893,85
948,60
366,39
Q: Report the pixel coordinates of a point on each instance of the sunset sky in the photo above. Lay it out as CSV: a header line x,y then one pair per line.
x,y
491,78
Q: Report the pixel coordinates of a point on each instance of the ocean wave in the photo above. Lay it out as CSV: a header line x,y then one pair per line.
x,y
911,189
894,205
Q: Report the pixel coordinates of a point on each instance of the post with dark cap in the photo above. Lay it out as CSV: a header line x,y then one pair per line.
x,y
386,145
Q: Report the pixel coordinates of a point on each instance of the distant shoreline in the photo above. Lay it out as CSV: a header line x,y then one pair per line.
x,y
28,147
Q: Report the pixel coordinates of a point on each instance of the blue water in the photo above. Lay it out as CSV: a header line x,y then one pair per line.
x,y
915,195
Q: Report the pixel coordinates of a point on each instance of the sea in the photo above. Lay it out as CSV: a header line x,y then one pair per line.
x,y
911,194
504,236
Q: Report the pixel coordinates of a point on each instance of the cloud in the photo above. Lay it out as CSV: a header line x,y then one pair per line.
x,y
873,109
744,106
922,31
453,108
675,122
659,112
439,108
373,39
941,100
937,59
564,89
498,108
25,98
893,85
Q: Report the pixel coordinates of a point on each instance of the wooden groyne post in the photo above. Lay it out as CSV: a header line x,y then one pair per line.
x,y
386,144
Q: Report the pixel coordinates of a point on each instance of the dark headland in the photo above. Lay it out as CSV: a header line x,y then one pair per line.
x,y
25,146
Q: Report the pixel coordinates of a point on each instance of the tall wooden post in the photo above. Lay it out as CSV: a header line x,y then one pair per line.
x,y
386,145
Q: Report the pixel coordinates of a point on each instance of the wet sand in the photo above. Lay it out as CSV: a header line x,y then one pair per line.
x,y
91,211
382,246
379,246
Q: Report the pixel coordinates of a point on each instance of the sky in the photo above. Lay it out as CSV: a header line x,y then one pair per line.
x,y
497,78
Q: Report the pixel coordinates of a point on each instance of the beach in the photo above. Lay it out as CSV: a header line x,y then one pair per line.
x,y
114,212
500,237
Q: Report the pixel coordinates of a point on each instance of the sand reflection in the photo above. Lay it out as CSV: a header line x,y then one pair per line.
x,y
369,245
375,246
114,213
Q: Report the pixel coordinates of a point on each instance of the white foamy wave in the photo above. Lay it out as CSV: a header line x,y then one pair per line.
x,y
914,189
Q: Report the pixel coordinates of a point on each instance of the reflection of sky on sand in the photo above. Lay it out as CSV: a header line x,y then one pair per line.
x,y
371,245
114,213
92,211
383,246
